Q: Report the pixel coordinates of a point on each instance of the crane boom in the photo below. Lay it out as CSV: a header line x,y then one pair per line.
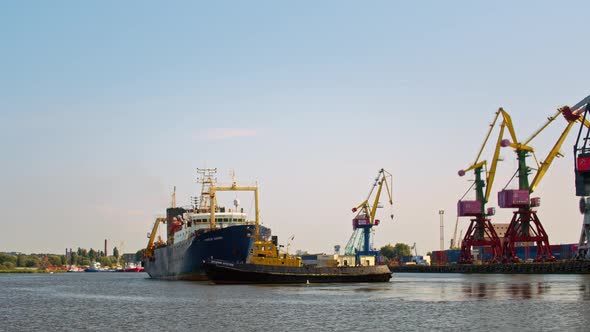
x,y
371,210
149,250
552,154
492,171
509,124
486,139
572,117
543,166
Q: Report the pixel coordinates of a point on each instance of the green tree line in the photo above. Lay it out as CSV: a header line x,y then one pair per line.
x,y
79,257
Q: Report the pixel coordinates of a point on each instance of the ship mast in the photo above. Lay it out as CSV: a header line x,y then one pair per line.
x,y
207,179
173,203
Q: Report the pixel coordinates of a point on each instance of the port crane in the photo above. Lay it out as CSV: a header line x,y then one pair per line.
x,y
481,232
525,225
582,177
364,221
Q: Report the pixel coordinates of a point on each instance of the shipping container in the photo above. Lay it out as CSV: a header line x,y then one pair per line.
x,y
468,208
510,198
439,257
453,256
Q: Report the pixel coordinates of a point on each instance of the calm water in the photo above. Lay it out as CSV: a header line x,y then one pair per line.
x,y
422,302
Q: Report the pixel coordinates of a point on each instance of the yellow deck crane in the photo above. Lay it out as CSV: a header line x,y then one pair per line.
x,y
525,226
359,243
149,249
481,231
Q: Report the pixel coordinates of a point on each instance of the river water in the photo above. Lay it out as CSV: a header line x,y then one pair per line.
x,y
410,302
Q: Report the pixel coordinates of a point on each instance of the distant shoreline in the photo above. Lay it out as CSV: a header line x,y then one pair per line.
x,y
28,271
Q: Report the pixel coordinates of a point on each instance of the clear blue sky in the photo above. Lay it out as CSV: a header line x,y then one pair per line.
x,y
105,106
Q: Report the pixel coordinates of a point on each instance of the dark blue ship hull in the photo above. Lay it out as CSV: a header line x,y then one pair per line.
x,y
184,260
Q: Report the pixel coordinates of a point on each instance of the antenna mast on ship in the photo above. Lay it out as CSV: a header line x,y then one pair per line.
x,y
207,179
173,203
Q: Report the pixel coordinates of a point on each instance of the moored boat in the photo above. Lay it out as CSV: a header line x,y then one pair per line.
x,y
221,272
133,268
266,265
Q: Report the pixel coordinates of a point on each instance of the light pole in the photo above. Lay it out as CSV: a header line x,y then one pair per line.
x,y
442,229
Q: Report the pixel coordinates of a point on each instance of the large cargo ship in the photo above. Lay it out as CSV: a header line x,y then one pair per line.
x,y
201,232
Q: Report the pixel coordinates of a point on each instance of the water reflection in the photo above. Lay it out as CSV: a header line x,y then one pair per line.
x,y
486,290
585,289
527,290
479,290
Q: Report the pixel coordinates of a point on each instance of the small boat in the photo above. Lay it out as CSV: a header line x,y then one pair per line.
x,y
267,266
94,267
74,268
133,268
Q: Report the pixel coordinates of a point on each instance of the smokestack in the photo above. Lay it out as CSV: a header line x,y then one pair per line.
x,y
105,248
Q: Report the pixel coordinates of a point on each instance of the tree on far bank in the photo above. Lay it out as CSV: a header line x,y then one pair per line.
x,y
399,250
84,261
74,259
387,251
402,249
20,262
54,260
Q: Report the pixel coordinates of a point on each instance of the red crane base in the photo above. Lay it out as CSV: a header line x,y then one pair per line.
x,y
480,233
526,227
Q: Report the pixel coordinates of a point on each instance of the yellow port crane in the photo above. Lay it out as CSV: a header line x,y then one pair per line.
x,y
364,221
525,226
481,231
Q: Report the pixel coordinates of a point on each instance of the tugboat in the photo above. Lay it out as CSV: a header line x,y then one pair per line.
x,y
199,232
266,265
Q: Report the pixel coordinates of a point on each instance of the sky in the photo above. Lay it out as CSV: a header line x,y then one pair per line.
x,y
106,106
